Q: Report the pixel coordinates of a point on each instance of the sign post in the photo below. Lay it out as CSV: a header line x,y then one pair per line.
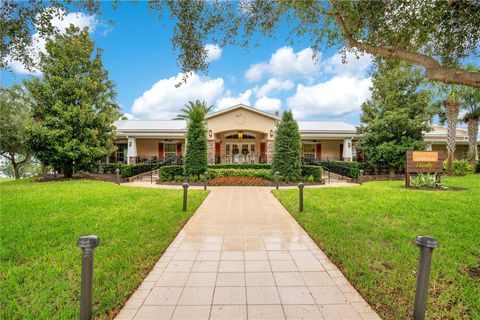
x,y
423,161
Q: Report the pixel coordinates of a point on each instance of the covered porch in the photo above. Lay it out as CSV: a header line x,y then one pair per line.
x,y
149,150
237,146
328,149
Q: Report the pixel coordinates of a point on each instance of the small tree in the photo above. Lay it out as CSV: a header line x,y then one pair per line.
x,y
188,107
14,119
196,153
286,158
72,104
396,117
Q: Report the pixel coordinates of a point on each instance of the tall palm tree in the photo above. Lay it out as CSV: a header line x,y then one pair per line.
x,y
472,119
186,111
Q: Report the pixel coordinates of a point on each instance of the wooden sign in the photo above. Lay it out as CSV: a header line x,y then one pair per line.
x,y
423,161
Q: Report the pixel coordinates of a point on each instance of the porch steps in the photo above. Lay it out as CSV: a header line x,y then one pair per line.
x,y
146,176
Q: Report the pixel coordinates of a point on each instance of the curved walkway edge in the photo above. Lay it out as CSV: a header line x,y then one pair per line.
x,y
243,256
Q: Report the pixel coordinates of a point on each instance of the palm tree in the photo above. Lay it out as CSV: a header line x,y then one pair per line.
x,y
472,119
187,110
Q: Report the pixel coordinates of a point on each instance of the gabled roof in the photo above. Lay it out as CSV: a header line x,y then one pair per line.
x,y
241,106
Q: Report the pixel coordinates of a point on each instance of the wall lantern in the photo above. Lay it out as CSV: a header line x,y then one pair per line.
x,y
271,133
349,144
210,133
240,135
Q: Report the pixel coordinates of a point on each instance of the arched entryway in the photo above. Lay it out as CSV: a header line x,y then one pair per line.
x,y
239,146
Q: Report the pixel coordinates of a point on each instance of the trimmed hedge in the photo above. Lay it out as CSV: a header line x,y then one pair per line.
x,y
477,168
314,171
345,168
168,173
240,166
111,167
459,166
134,169
252,173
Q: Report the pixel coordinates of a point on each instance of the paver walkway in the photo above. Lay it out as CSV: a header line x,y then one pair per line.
x,y
243,256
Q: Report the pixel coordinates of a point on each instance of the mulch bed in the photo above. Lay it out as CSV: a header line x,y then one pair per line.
x,y
109,177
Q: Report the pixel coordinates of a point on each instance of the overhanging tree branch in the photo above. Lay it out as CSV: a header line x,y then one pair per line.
x,y
434,70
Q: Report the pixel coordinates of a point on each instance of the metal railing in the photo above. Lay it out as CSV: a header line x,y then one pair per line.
x,y
240,158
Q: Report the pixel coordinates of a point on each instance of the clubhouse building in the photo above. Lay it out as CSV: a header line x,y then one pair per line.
x,y
242,134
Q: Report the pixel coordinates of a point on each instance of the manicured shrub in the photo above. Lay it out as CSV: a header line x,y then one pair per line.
x,y
238,181
253,173
196,154
459,166
169,173
286,157
111,167
240,166
424,180
312,171
477,168
345,168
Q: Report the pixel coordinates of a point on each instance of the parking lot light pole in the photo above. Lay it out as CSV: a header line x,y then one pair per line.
x,y
300,197
185,190
426,244
88,244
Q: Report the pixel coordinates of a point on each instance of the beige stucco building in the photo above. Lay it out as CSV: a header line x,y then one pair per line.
x,y
242,134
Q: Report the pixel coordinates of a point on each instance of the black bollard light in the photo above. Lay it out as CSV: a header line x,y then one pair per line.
x,y
117,172
276,179
185,190
205,180
360,177
426,244
88,244
300,197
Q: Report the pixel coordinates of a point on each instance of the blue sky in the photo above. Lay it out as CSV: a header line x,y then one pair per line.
x,y
140,59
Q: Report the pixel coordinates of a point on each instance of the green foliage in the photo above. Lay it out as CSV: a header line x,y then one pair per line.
x,y
286,157
41,222
253,173
459,166
111,167
396,117
477,167
315,172
15,117
169,173
188,109
135,169
196,153
424,180
72,104
240,166
445,32
368,232
345,168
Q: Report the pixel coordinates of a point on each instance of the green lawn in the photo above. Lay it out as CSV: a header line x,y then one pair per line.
x,y
368,232
39,226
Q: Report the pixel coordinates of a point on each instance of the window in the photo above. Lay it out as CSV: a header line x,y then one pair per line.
x,y
308,150
121,154
170,150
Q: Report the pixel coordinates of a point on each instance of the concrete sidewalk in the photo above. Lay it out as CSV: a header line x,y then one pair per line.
x,y
242,256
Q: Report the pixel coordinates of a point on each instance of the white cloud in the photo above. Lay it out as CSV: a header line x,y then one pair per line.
x,y
228,100
274,85
163,100
268,104
353,67
285,63
214,52
79,19
335,97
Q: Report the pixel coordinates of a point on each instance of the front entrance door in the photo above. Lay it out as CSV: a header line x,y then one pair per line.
x,y
240,152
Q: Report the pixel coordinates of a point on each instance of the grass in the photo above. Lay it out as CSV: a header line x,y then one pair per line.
x,y
368,231
39,226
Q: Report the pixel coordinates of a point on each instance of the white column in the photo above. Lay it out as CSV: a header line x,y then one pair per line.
x,y
347,150
131,150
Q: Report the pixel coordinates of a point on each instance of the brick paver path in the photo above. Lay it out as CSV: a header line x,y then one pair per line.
x,y
242,256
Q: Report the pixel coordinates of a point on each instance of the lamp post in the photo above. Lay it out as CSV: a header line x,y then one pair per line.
x,y
300,196
117,172
185,190
426,244
205,180
276,179
88,244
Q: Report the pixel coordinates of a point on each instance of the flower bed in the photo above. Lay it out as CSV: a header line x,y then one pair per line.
x,y
238,181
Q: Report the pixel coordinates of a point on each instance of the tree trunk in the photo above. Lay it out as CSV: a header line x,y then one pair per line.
x,y
452,109
68,172
472,139
16,171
